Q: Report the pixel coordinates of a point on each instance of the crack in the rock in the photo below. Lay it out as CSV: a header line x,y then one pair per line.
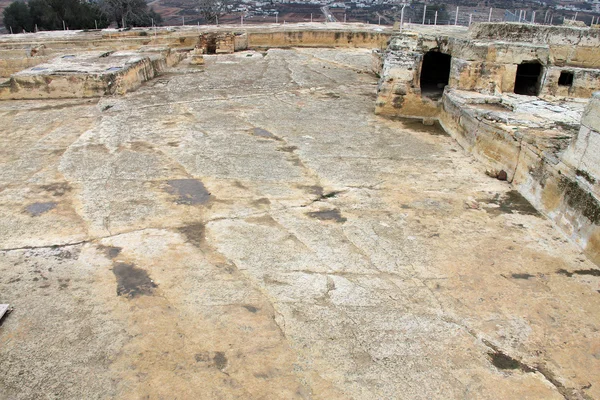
x,y
567,393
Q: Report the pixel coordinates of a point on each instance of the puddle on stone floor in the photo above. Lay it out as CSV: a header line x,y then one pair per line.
x,y
132,281
264,133
511,202
327,215
189,191
36,209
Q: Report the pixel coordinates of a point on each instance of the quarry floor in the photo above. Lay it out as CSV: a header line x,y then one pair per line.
x,y
251,230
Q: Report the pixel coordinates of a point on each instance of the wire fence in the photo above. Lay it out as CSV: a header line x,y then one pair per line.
x,y
465,16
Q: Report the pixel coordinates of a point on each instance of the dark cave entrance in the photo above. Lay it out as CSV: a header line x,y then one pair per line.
x,y
528,78
211,45
435,73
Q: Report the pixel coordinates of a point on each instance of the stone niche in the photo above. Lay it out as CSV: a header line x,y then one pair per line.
x,y
217,43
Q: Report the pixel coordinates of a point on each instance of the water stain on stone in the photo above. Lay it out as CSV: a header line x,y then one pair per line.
x,y
287,149
189,191
315,189
264,133
220,360
202,357
140,146
511,202
263,201
522,276
132,281
194,233
262,220
57,189
327,215
590,272
36,209
504,361
239,185
109,251
250,308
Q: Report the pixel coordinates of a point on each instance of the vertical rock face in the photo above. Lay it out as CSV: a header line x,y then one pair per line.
x,y
487,60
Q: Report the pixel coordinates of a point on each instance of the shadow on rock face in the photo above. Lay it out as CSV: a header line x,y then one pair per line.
x,y
132,281
189,191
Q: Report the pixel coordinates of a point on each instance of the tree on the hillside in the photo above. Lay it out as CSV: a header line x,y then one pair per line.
x,y
127,13
51,14
17,17
211,10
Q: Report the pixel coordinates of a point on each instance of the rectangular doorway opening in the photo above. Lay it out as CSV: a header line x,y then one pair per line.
x,y
566,78
528,78
435,73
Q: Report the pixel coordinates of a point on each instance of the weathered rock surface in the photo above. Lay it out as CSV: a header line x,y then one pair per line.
x,y
249,229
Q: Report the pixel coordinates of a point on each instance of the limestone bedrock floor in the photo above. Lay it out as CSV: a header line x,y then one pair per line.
x,y
251,230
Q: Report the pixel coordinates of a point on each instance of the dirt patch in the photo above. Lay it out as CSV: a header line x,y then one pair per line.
x,y
110,251
132,281
194,233
220,360
189,191
57,189
327,215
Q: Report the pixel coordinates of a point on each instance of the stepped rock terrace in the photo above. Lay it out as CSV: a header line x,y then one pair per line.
x,y
243,225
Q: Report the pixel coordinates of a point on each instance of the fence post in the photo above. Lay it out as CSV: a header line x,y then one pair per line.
x,y
575,17
435,19
183,21
470,19
402,18
424,11
64,26
456,16
490,16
